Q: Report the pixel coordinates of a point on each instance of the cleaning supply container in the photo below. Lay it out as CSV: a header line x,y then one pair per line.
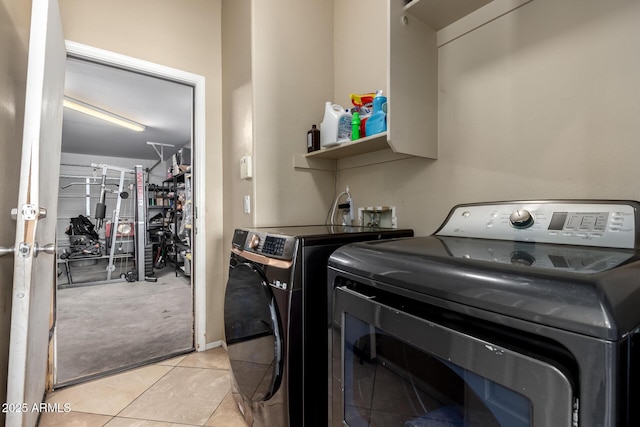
x,y
378,121
355,126
336,126
313,139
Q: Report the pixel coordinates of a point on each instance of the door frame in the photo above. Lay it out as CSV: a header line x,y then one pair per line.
x,y
109,58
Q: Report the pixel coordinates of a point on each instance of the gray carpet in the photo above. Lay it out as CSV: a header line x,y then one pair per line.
x,y
108,327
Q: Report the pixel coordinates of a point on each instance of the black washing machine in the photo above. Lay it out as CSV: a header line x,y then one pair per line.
x,y
275,315
513,314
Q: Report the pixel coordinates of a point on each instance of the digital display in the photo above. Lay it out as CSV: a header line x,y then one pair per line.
x,y
557,220
579,221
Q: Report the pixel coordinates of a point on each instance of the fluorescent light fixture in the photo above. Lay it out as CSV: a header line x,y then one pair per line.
x,y
101,114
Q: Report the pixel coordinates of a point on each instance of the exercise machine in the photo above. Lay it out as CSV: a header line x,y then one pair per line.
x,y
140,215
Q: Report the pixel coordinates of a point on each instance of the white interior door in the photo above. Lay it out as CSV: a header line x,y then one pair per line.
x,y
34,276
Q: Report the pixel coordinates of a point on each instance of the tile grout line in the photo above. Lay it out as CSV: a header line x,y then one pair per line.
x,y
129,404
146,390
224,370
172,368
216,408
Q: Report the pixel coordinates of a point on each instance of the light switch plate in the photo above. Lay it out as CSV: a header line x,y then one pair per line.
x,y
246,171
247,204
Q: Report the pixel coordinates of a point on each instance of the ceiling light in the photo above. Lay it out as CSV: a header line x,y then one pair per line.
x,y
98,113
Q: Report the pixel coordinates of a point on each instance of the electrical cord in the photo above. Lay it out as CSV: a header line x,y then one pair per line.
x,y
335,204
328,220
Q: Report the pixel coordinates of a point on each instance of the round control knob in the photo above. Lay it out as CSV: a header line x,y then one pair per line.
x,y
254,241
521,218
522,258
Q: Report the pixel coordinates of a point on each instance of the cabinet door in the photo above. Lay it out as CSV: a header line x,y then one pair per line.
x,y
412,120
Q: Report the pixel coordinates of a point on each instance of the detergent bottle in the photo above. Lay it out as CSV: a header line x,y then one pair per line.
x,y
336,126
378,121
355,125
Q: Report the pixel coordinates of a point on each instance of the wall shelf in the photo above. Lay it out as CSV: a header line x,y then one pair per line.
x,y
440,13
326,158
353,148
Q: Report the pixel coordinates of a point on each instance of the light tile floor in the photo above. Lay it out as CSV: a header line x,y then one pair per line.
x,y
191,390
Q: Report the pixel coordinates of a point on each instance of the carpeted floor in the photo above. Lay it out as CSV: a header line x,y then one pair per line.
x,y
108,327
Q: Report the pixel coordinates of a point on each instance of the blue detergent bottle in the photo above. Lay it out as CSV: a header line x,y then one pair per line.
x,y
378,121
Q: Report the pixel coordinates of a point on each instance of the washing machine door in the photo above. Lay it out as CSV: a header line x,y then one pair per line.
x,y
253,332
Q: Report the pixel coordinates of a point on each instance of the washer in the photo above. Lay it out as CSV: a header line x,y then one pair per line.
x,y
275,314
518,314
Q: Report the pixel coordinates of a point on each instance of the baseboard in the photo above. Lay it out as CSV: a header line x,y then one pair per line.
x,y
214,344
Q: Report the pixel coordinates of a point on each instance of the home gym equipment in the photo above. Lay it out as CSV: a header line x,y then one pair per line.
x,y
124,232
139,224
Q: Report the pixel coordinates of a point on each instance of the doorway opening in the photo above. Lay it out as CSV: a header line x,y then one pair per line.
x,y
132,292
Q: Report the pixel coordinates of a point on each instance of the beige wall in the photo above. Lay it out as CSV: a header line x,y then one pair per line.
x,y
237,113
360,39
277,74
540,103
292,76
14,21
185,36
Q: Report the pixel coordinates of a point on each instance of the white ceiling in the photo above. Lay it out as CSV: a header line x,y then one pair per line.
x,y
164,107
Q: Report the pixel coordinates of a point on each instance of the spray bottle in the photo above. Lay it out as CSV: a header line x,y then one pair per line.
x,y
378,121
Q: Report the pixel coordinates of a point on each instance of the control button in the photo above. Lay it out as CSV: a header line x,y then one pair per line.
x,y
490,224
466,214
567,234
596,234
553,233
521,218
280,285
273,245
581,234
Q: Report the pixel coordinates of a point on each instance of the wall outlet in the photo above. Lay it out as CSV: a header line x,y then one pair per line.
x,y
246,203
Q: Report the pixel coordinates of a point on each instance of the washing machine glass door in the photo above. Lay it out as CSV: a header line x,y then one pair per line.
x,y
252,331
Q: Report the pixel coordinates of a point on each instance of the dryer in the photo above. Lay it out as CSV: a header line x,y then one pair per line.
x,y
513,314
275,315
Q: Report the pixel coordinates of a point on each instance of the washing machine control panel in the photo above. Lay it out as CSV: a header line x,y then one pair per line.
x,y
266,244
274,245
585,223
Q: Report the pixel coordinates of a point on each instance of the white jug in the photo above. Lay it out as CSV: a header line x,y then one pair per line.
x,y
336,126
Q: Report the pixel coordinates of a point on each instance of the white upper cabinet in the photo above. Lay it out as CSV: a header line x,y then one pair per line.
x,y
438,14
415,30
